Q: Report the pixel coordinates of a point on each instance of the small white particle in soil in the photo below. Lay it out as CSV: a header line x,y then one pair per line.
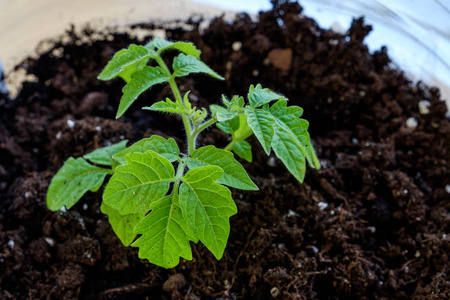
x,y
58,135
255,73
411,122
355,141
85,206
447,188
49,241
193,97
63,209
417,254
11,244
424,106
315,249
70,123
236,46
322,205
372,229
271,162
275,292
98,128
333,42
27,195
291,213
323,164
405,191
122,137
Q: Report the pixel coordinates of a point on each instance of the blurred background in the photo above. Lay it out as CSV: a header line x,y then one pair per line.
x,y
416,32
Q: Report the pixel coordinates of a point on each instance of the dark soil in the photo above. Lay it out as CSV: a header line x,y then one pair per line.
x,y
372,223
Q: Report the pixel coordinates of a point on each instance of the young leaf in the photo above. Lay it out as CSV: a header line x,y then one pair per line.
x,y
243,150
184,65
140,82
167,148
225,127
207,207
288,150
261,123
72,181
123,226
162,45
165,234
287,118
103,156
144,178
126,59
234,174
167,106
221,113
257,96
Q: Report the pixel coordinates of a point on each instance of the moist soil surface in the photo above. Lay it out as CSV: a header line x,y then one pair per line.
x,y
372,223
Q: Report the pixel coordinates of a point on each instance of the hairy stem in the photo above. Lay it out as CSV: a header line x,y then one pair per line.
x,y
176,93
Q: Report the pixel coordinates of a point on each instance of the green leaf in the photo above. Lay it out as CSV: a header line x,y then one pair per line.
x,y
103,156
140,82
221,113
207,207
257,96
165,234
144,178
162,45
288,151
225,127
184,65
122,225
287,118
72,181
133,58
261,122
234,174
243,150
167,106
167,148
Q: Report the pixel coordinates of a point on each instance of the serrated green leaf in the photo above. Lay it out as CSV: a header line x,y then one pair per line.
x,y
225,127
165,234
243,150
234,173
261,122
287,118
207,207
221,113
144,178
162,45
184,65
140,82
167,106
122,225
157,43
72,181
257,96
103,156
167,148
288,151
126,60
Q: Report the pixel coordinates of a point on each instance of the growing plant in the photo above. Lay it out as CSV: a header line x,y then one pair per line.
x,y
168,197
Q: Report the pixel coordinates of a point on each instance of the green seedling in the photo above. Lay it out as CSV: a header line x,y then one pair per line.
x,y
160,199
